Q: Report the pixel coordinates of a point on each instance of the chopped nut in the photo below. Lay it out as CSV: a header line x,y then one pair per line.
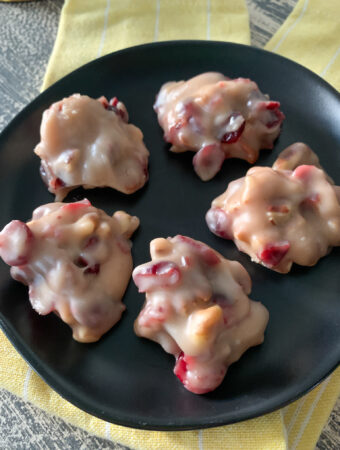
x,y
160,247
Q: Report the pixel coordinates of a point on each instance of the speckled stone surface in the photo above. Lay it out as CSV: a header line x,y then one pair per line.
x,y
27,34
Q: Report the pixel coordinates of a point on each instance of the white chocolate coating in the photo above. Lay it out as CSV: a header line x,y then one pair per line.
x,y
87,142
218,118
76,261
282,215
197,308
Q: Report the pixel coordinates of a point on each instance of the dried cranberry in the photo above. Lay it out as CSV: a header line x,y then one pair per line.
x,y
277,118
81,262
46,173
219,223
113,106
16,243
208,255
161,274
154,316
93,240
181,367
272,105
73,207
208,161
114,101
56,183
303,172
186,261
103,101
283,209
92,269
311,201
272,254
232,136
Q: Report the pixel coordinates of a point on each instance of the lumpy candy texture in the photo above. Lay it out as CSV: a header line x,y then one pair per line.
x,y
87,142
197,308
218,118
282,215
76,261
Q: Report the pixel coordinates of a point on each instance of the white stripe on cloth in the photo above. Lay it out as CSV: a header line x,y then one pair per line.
x,y
296,413
26,383
158,8
293,25
200,440
331,62
285,435
106,16
107,430
309,414
208,19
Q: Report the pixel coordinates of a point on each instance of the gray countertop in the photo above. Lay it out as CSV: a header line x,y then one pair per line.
x,y
27,34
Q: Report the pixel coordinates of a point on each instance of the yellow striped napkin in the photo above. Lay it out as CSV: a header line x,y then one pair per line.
x,y
311,36
89,29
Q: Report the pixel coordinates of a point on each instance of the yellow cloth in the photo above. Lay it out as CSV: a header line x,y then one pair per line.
x,y
311,36
89,29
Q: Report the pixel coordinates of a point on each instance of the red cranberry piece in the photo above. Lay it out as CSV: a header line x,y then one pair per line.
x,y
171,136
114,101
191,109
186,261
185,363
91,242
81,262
189,115
272,105
76,206
113,106
272,254
311,201
196,245
208,161
92,269
219,223
16,243
277,118
278,208
181,367
103,101
207,254
56,183
233,135
46,173
161,274
153,317
118,109
303,172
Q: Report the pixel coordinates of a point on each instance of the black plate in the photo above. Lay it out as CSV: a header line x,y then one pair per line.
x,y
127,380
